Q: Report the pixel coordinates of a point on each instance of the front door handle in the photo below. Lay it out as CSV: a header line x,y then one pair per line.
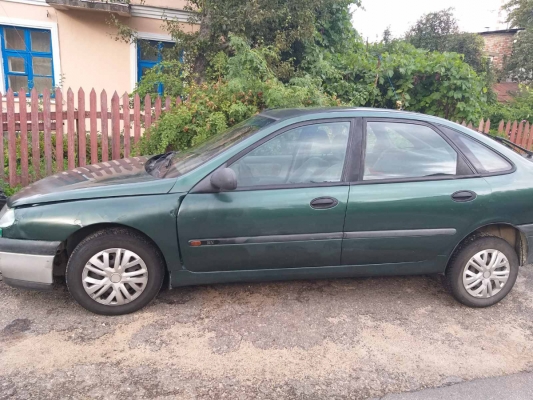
x,y
463,196
322,203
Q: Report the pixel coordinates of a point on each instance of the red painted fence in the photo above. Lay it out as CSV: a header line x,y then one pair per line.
x,y
43,125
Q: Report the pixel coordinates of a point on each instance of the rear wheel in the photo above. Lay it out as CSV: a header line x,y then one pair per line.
x,y
483,271
114,272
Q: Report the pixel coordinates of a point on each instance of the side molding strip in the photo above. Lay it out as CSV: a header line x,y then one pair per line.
x,y
266,239
400,233
322,236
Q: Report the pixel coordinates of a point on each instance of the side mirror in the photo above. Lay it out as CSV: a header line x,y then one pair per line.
x,y
224,179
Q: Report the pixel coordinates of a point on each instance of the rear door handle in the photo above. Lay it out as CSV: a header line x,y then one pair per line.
x,y
322,203
463,196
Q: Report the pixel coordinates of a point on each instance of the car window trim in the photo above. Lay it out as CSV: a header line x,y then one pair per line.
x,y
460,155
204,187
481,171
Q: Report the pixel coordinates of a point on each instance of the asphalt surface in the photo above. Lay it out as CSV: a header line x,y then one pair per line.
x,y
334,339
513,387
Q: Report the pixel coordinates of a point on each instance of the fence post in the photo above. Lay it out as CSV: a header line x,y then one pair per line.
x,y
487,126
94,134
70,130
481,125
508,130
35,142
500,127
530,140
115,126
47,128
82,133
104,126
126,113
147,115
59,130
519,134
23,137
12,145
136,118
513,132
157,108
525,135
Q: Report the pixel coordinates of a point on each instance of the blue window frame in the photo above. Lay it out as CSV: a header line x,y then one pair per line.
x,y
149,55
27,58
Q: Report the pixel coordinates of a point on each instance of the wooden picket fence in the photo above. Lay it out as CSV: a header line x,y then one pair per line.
x,y
84,128
520,133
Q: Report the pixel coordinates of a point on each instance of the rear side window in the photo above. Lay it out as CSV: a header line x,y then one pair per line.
x,y
397,150
484,159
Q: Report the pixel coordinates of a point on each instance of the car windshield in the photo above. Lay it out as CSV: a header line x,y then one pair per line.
x,y
172,165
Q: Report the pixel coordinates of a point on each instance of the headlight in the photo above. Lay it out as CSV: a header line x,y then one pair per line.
x,y
7,217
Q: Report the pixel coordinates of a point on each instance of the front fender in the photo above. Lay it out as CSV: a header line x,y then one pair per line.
x,y
154,215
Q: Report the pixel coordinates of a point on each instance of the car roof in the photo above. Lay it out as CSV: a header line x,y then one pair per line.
x,y
286,113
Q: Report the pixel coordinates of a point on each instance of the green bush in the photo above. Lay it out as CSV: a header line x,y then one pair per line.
x,y
518,109
249,86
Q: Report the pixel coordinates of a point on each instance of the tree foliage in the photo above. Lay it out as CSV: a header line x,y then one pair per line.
x,y
248,86
520,64
248,56
431,30
290,26
519,13
439,31
518,109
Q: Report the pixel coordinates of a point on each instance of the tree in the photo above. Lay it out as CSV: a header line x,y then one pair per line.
x,y
519,13
290,26
431,30
439,31
520,65
387,36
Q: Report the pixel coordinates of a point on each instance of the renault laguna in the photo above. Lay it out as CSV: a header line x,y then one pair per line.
x,y
287,194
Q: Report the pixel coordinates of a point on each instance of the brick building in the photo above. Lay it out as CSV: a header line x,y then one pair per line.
x,y
499,44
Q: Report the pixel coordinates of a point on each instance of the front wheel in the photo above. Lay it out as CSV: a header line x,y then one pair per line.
x,y
483,271
114,272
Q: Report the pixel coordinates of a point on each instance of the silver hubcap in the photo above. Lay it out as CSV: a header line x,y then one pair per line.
x,y
486,273
115,277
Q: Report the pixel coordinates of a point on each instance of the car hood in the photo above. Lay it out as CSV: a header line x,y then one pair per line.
x,y
126,177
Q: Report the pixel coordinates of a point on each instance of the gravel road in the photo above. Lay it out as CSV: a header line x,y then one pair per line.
x,y
335,339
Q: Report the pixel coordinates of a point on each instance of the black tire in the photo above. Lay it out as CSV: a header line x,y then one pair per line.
x,y
115,238
454,272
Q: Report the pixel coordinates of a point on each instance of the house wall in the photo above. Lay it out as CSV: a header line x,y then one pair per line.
x,y
88,54
499,46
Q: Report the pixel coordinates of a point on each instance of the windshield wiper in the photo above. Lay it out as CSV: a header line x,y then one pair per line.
x,y
510,144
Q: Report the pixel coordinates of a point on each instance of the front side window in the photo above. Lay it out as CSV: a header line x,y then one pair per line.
x,y
27,58
309,154
180,163
402,150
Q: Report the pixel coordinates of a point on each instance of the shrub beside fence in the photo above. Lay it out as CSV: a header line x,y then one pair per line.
x,y
43,135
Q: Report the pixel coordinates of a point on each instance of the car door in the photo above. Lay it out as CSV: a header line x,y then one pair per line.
x,y
415,197
287,211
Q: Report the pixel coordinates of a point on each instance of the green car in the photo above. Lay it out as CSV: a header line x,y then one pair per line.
x,y
288,194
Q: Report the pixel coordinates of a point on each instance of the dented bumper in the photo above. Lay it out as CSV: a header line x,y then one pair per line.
x,y
27,263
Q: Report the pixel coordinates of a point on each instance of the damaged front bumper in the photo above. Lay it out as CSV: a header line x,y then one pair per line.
x,y
27,264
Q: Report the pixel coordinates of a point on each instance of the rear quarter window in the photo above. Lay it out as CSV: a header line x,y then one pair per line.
x,y
484,159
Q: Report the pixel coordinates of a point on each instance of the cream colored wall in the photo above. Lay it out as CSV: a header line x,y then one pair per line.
x,y
90,55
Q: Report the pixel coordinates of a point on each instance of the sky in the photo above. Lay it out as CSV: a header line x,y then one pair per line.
x,y
472,15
